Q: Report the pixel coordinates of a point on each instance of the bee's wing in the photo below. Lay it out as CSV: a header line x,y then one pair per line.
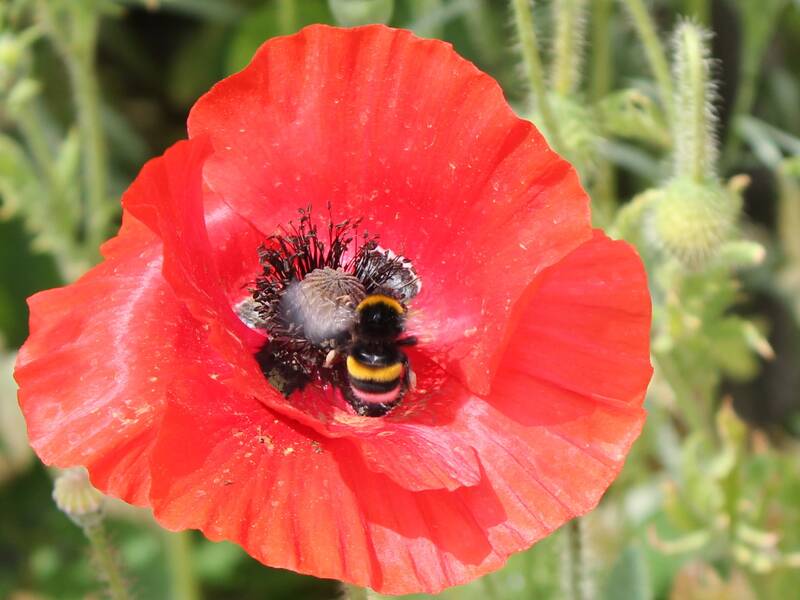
x,y
247,310
384,271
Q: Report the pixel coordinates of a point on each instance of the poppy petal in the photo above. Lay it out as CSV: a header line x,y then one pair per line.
x,y
167,196
91,389
294,499
408,135
567,402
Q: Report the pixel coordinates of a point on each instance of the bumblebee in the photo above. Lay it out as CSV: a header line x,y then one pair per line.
x,y
378,373
334,313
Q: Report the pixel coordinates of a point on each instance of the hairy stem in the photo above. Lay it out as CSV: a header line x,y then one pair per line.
x,y
526,31
103,556
570,20
604,189
695,147
576,575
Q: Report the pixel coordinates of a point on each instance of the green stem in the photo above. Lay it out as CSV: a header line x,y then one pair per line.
x,y
30,126
59,218
526,31
87,100
687,401
30,119
287,16
654,50
789,216
74,34
179,556
570,20
104,558
695,148
576,578
605,186
602,67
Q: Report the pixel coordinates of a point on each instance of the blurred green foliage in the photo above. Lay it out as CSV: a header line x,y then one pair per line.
x,y
708,506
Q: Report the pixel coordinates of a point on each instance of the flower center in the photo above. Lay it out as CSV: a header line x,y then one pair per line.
x,y
334,312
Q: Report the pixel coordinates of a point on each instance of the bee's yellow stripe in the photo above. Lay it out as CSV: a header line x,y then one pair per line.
x,y
381,299
358,370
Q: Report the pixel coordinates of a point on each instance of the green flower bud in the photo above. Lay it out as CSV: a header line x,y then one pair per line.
x,y
77,498
10,52
22,93
361,12
691,220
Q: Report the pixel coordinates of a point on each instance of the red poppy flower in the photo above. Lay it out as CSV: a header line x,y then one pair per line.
x,y
531,360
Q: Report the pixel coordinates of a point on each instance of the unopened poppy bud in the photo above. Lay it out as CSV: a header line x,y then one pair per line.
x,y
691,219
361,12
77,498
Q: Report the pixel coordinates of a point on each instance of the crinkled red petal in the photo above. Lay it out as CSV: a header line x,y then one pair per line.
x,y
407,134
294,499
167,196
94,372
548,451
92,386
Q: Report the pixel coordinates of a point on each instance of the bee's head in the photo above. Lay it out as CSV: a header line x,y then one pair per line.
x,y
380,316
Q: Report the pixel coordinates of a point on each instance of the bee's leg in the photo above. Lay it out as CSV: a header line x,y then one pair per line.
x,y
330,358
409,377
407,341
